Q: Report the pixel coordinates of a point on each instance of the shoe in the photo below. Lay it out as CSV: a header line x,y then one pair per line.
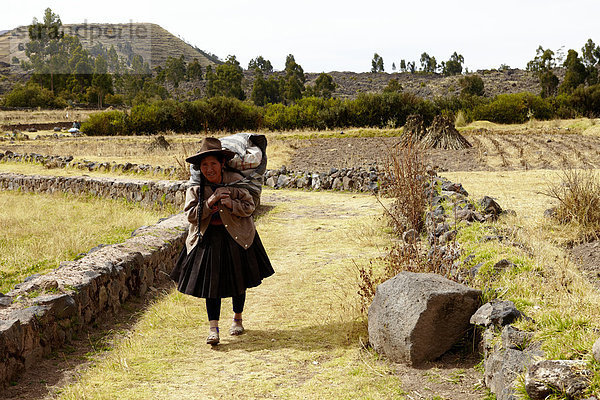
x,y
236,327
213,337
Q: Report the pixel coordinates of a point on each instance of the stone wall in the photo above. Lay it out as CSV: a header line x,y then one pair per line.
x,y
43,313
146,192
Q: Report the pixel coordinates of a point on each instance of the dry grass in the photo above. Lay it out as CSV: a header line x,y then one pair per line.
x,y
546,285
43,116
40,231
135,149
578,197
37,169
303,326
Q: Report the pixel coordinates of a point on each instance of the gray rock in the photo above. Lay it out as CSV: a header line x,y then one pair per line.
x,y
490,206
61,305
596,350
568,378
497,313
270,182
447,237
410,236
454,187
282,181
513,338
417,317
503,264
501,368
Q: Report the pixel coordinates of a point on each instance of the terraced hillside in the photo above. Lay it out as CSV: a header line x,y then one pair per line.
x,y
151,41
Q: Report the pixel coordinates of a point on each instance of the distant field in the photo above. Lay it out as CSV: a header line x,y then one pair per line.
x,y
40,231
43,116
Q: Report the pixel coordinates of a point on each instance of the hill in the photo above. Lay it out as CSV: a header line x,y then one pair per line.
x,y
151,41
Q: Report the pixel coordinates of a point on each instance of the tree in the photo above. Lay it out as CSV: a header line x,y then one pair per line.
x,y
411,67
377,63
324,86
393,86
402,65
260,63
293,81
428,63
393,66
454,65
543,60
472,85
175,70
226,80
542,65
576,73
194,70
102,81
43,48
265,91
590,54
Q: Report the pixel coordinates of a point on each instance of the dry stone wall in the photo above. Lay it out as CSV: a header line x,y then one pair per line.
x,y
146,192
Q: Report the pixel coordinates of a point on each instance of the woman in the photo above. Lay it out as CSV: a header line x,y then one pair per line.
x,y
223,255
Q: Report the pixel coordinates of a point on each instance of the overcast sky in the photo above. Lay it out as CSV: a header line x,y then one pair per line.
x,y
336,35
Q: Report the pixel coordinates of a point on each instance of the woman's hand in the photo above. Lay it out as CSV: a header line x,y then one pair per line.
x,y
222,195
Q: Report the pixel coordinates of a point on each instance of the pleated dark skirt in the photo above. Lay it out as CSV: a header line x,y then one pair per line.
x,y
219,267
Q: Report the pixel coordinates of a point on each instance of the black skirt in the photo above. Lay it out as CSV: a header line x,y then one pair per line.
x,y
219,267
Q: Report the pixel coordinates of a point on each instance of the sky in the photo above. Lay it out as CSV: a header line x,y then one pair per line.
x,y
327,36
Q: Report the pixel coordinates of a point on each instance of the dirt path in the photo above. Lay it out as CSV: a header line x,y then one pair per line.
x,y
304,334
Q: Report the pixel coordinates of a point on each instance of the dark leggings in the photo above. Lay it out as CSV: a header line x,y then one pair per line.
x,y
213,306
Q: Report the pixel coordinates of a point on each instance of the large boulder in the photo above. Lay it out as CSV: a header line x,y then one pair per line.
x,y
417,317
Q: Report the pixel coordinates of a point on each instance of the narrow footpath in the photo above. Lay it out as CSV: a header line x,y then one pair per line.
x,y
305,335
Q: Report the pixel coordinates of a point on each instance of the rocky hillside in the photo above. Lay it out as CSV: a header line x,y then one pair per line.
x,y
151,41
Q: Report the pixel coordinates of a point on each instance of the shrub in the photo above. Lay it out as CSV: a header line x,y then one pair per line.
x,y
472,85
586,100
514,109
33,95
578,196
107,123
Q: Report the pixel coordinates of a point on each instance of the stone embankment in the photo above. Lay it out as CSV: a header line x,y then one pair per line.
x,y
42,313
348,179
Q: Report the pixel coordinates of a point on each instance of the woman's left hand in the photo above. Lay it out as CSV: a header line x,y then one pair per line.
x,y
227,202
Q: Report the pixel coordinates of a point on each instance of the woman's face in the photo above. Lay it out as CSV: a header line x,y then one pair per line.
x,y
211,169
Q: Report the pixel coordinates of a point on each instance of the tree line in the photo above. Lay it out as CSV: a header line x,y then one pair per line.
x,y
65,73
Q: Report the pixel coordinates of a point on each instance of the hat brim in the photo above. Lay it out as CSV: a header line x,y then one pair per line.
x,y
197,158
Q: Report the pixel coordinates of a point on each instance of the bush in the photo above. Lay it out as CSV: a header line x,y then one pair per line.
x,y
33,95
586,100
578,196
514,109
107,123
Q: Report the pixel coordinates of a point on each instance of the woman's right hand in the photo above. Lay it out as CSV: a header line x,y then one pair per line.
x,y
218,195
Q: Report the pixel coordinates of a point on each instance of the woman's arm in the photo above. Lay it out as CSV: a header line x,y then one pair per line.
x,y
241,202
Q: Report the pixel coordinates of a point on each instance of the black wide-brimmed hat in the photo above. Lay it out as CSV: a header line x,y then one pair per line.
x,y
210,147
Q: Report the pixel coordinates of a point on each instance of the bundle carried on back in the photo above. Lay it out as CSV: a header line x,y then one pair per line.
x,y
250,161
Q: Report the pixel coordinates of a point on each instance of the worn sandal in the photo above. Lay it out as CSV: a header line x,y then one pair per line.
x,y
236,327
213,337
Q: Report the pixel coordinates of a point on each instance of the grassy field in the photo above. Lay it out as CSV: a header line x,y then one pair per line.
x,y
40,231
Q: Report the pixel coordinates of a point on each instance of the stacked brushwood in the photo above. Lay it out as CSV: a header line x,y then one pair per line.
x,y
414,130
443,135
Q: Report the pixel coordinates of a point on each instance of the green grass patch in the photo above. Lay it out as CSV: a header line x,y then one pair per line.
x,y
40,231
